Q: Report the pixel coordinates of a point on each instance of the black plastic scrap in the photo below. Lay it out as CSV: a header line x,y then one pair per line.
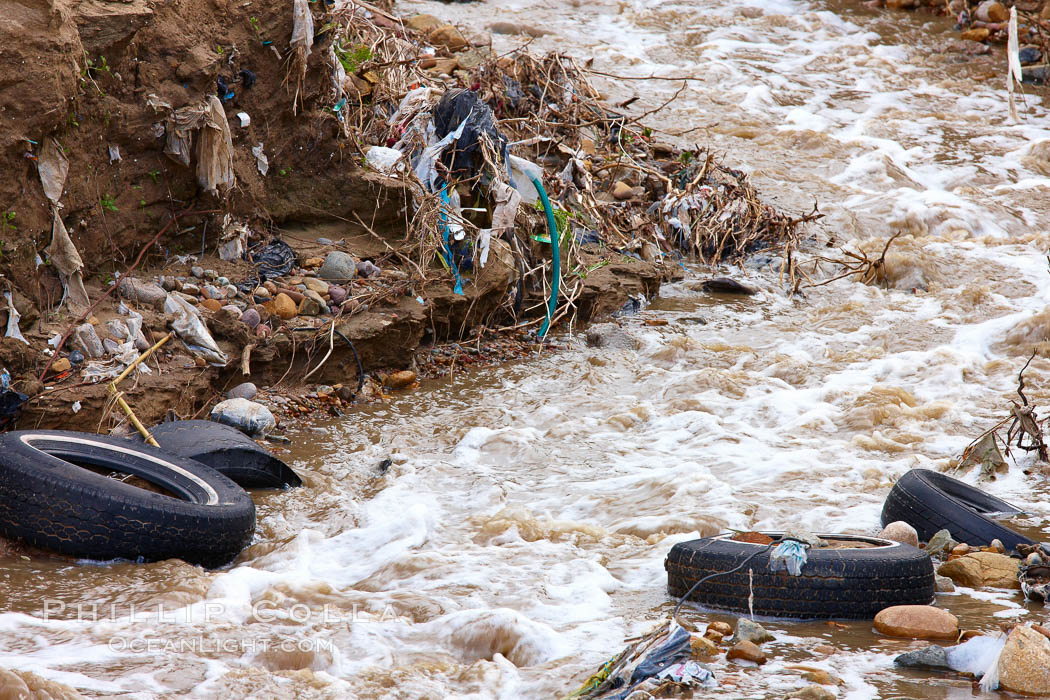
x,y
273,260
10,406
457,106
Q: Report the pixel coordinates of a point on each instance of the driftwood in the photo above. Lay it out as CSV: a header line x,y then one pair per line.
x,y
858,264
1026,422
1023,420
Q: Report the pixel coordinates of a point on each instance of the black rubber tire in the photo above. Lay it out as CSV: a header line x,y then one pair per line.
x,y
840,584
227,451
930,501
50,502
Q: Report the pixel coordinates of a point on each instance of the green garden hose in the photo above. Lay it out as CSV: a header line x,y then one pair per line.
x,y
552,227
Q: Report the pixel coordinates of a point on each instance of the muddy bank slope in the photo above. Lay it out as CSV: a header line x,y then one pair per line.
x,y
211,124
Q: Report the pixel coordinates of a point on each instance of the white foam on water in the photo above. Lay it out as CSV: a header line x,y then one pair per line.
x,y
519,536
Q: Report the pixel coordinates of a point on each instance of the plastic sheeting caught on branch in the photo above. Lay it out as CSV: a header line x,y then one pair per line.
x,y
302,27
215,150
53,167
180,127
68,262
302,40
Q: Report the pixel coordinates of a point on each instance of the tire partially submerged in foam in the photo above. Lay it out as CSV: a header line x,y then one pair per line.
x,y
849,583
930,501
227,451
50,500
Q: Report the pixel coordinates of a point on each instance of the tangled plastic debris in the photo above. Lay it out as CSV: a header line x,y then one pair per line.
x,y
654,662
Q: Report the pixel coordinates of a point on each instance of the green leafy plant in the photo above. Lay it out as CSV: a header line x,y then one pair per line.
x,y
108,203
561,219
92,68
7,221
154,175
219,50
254,21
686,157
353,58
582,272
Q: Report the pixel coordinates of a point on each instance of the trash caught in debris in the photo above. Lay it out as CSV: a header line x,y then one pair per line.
x,y
272,260
262,163
1034,578
657,662
1024,423
385,160
188,325
234,239
11,402
12,330
253,419
789,555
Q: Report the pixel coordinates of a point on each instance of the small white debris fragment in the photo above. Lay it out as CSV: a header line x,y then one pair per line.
x,y
261,161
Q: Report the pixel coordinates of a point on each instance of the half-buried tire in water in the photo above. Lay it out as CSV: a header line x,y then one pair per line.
x,y
853,579
54,494
930,501
227,451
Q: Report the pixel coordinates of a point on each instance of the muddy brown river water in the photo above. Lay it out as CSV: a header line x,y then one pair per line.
x,y
518,536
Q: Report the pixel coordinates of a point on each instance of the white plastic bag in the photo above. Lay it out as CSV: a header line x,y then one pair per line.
x,y
790,555
385,160
134,324
234,239
191,329
180,127
13,331
249,417
520,170
410,104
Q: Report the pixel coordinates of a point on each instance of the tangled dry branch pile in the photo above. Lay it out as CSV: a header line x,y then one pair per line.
x,y
615,189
